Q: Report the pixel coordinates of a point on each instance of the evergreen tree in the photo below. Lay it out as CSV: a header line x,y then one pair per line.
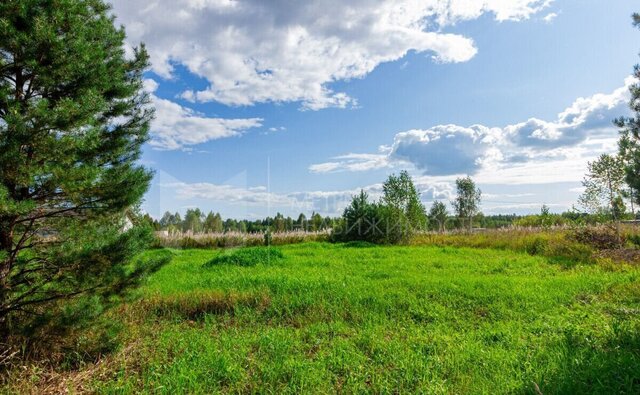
x,y
73,117
301,223
166,220
629,143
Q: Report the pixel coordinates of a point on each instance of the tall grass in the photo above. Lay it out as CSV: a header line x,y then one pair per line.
x,y
554,242
236,239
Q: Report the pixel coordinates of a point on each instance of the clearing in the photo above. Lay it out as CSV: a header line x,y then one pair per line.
x,y
355,318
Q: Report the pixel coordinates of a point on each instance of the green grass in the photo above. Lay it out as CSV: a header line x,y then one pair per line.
x,y
356,318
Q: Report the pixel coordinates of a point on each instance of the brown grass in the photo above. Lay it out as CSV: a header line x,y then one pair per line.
x,y
236,239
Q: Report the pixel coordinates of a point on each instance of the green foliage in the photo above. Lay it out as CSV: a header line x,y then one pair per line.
x,y
438,215
629,143
393,220
604,186
402,198
193,220
544,220
73,118
467,202
249,256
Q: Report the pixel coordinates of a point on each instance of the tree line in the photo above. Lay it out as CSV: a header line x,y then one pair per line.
x,y
195,221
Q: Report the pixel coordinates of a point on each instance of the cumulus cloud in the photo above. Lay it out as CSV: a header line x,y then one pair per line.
x,y
254,51
177,127
580,131
430,150
330,202
324,202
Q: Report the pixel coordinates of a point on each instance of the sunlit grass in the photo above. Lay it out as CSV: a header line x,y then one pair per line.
x,y
357,318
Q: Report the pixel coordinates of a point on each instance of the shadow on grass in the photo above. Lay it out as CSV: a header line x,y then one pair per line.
x,y
609,368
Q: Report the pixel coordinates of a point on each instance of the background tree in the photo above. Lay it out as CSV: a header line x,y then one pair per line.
x,y
212,223
467,202
360,221
73,117
604,186
192,221
316,222
166,220
279,223
301,223
629,143
401,194
438,215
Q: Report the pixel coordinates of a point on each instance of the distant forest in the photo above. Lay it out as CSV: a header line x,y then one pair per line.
x,y
196,221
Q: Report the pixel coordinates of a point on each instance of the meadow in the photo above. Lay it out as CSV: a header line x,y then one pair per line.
x,y
357,318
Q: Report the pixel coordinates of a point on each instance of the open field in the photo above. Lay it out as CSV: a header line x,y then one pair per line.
x,y
354,318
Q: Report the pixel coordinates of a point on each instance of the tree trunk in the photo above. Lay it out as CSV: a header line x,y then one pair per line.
x,y
6,245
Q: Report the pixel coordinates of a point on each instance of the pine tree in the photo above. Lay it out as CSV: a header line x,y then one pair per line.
x,y
73,117
629,143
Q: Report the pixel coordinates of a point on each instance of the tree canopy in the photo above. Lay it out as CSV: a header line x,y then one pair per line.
x,y
73,118
467,201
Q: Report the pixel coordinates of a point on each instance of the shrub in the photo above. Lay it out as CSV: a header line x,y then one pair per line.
x,y
634,239
600,238
537,246
373,222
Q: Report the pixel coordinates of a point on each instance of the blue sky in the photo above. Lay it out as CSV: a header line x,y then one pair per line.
x,y
266,106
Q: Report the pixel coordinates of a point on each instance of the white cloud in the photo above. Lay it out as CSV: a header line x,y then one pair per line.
x,y
550,17
255,51
274,129
178,127
532,151
454,10
330,203
352,162
323,202
227,193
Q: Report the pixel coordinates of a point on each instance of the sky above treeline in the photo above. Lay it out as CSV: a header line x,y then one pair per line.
x,y
294,106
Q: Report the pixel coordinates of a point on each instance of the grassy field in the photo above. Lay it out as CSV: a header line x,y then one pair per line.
x,y
324,318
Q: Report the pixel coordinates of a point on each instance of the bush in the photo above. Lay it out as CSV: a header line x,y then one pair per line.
x,y
600,238
372,222
247,257
634,239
